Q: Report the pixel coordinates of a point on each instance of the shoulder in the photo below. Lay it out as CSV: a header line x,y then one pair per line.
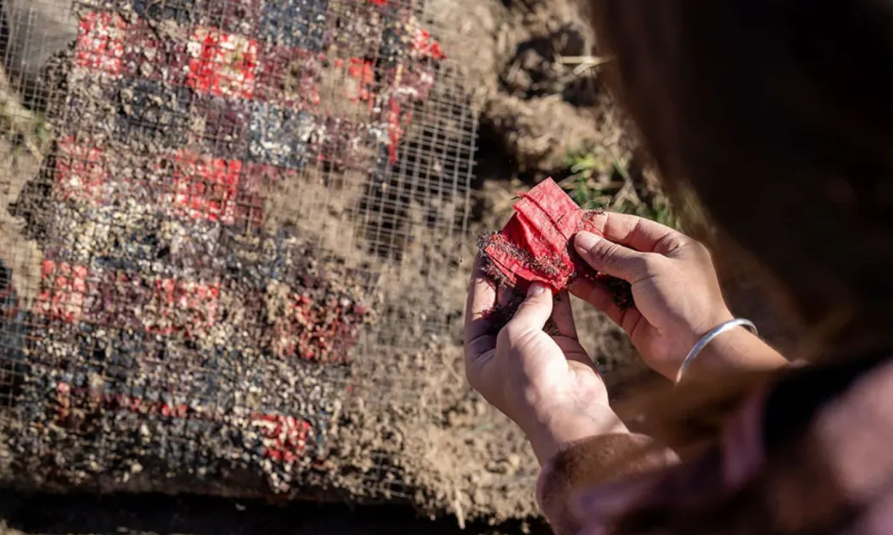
x,y
817,444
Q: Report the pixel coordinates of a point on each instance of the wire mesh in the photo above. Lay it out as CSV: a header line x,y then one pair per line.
x,y
218,215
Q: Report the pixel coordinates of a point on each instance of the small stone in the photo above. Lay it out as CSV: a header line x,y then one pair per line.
x,y
514,460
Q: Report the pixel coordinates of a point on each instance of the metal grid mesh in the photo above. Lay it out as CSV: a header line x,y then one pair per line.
x,y
214,212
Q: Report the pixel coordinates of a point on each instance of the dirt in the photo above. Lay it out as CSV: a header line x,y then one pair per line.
x,y
190,396
538,105
25,262
399,423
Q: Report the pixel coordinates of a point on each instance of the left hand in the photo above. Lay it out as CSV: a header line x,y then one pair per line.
x,y
548,385
677,297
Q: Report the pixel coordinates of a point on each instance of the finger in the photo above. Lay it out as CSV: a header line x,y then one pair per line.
x,y
602,299
481,300
534,312
599,297
563,315
508,297
573,351
611,258
631,319
638,233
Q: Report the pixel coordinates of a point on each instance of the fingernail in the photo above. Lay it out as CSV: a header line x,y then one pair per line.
x,y
585,241
536,289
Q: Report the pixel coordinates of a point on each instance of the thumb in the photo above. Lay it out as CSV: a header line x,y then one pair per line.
x,y
535,311
610,258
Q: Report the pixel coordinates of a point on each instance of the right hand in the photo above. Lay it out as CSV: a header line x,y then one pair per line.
x,y
674,286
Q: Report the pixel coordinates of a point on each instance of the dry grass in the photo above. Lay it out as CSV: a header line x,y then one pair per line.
x,y
27,130
600,178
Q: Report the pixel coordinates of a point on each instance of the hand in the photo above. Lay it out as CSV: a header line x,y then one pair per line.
x,y
546,384
674,286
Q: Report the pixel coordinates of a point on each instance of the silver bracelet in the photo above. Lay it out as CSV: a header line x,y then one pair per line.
x,y
707,338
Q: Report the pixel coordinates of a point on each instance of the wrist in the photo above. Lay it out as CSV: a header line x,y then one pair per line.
x,y
672,355
709,323
562,425
737,350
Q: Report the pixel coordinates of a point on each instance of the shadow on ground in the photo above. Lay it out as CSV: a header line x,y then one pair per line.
x,y
155,514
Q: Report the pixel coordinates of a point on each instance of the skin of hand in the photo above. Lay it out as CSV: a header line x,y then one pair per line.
x,y
676,293
546,384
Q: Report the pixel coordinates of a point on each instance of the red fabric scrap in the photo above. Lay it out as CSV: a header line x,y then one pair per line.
x,y
284,437
536,244
100,43
426,46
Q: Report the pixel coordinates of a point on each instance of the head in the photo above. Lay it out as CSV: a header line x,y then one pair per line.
x,y
777,115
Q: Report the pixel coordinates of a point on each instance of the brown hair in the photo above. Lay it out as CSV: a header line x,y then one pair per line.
x,y
778,115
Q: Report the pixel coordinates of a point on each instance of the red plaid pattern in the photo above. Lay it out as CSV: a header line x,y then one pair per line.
x,y
221,63
233,66
361,70
186,251
283,437
309,330
74,293
184,306
63,293
426,47
100,43
206,187
80,173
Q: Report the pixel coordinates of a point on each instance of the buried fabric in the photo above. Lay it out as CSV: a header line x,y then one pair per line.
x,y
535,245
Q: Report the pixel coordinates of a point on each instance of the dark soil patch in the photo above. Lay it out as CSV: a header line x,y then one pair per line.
x,y
153,514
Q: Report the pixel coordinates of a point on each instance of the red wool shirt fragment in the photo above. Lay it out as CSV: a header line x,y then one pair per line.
x,y
536,244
